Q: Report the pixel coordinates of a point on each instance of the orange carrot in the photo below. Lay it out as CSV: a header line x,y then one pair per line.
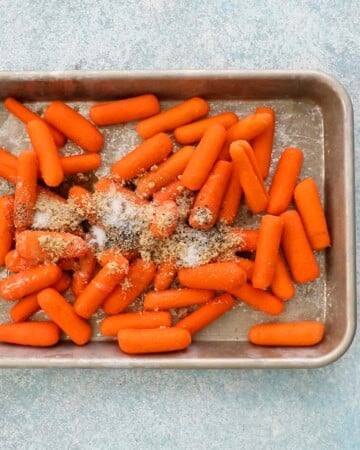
x,y
45,148
287,334
297,250
284,180
247,239
33,334
155,340
74,126
207,203
83,275
26,115
262,144
204,157
206,314
109,255
110,326
49,245
255,193
165,275
29,281
258,299
222,276
8,159
8,173
25,189
247,265
282,285
167,172
308,204
24,308
6,225
249,127
251,156
174,117
16,263
140,275
175,298
164,220
63,314
245,129
125,110
193,132
104,282
80,163
150,152
232,198
267,251
170,192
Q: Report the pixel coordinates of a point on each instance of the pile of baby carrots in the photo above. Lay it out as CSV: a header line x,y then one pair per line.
x,y
223,159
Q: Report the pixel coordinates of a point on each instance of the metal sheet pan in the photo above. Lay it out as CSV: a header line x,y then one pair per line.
x,y
314,113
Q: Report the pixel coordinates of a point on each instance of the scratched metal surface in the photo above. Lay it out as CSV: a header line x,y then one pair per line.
x,y
299,123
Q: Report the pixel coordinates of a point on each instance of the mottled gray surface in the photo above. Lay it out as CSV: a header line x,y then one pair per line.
x,y
76,409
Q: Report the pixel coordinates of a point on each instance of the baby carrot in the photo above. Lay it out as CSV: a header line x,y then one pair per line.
x,y
165,275
150,152
258,299
205,210
104,282
204,157
109,255
155,340
174,117
49,245
254,190
248,239
74,126
25,189
16,263
287,334
63,314
29,281
8,173
140,275
8,159
221,276
111,325
167,172
45,148
170,192
164,220
24,308
249,127
263,143
6,225
297,250
284,180
193,132
80,163
83,274
308,204
282,285
232,198
125,110
267,251
70,264
206,314
25,115
33,334
247,265
175,298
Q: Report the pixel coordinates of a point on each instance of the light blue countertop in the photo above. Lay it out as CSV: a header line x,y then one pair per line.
x,y
195,409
